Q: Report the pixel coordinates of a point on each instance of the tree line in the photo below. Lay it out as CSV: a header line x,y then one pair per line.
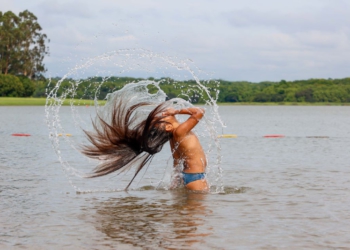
x,y
309,91
312,90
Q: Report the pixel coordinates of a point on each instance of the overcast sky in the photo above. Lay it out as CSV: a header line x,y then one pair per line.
x,y
253,40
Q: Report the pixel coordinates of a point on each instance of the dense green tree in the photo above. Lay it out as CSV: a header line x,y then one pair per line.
x,y
305,95
11,86
22,45
28,85
40,88
8,42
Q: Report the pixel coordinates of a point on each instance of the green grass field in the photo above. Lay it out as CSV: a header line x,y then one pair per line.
x,y
21,101
283,103
29,101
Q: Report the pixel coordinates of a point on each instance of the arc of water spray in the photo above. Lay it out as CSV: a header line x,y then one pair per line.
x,y
53,103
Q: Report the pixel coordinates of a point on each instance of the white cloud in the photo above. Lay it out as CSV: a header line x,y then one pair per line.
x,y
252,40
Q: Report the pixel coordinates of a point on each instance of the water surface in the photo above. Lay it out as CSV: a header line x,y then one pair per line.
x,y
282,193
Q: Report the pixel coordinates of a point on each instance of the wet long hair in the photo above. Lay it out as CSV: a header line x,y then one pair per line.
x,y
123,142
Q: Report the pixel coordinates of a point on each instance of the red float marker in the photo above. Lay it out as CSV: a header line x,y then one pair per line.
x,y
20,134
274,136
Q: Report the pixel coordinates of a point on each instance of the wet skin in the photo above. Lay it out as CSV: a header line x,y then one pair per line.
x,y
185,145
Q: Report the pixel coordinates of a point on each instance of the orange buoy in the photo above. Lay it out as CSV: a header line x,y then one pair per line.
x,y
20,134
227,136
273,136
64,134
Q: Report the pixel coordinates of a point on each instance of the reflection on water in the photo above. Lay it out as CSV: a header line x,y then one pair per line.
x,y
235,190
177,223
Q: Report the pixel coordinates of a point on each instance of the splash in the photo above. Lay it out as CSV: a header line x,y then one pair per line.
x,y
101,77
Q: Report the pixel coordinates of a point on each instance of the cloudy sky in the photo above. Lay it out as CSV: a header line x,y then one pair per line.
x,y
253,40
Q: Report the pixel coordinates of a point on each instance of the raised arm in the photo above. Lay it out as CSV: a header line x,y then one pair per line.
x,y
194,112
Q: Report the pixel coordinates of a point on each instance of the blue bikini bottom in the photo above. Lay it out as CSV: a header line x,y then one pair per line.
x,y
191,177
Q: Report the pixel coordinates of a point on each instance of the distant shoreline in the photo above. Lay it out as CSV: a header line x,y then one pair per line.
x,y
29,101
282,104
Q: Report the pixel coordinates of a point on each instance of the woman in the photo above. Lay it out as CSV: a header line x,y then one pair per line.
x,y
185,146
124,141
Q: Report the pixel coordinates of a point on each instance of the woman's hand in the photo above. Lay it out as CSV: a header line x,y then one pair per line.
x,y
170,111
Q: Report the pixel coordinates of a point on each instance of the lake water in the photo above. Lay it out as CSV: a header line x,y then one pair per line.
x,y
280,193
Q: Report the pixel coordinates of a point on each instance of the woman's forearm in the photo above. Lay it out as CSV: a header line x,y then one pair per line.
x,y
195,112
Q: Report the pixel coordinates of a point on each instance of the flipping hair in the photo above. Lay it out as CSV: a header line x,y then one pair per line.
x,y
121,143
